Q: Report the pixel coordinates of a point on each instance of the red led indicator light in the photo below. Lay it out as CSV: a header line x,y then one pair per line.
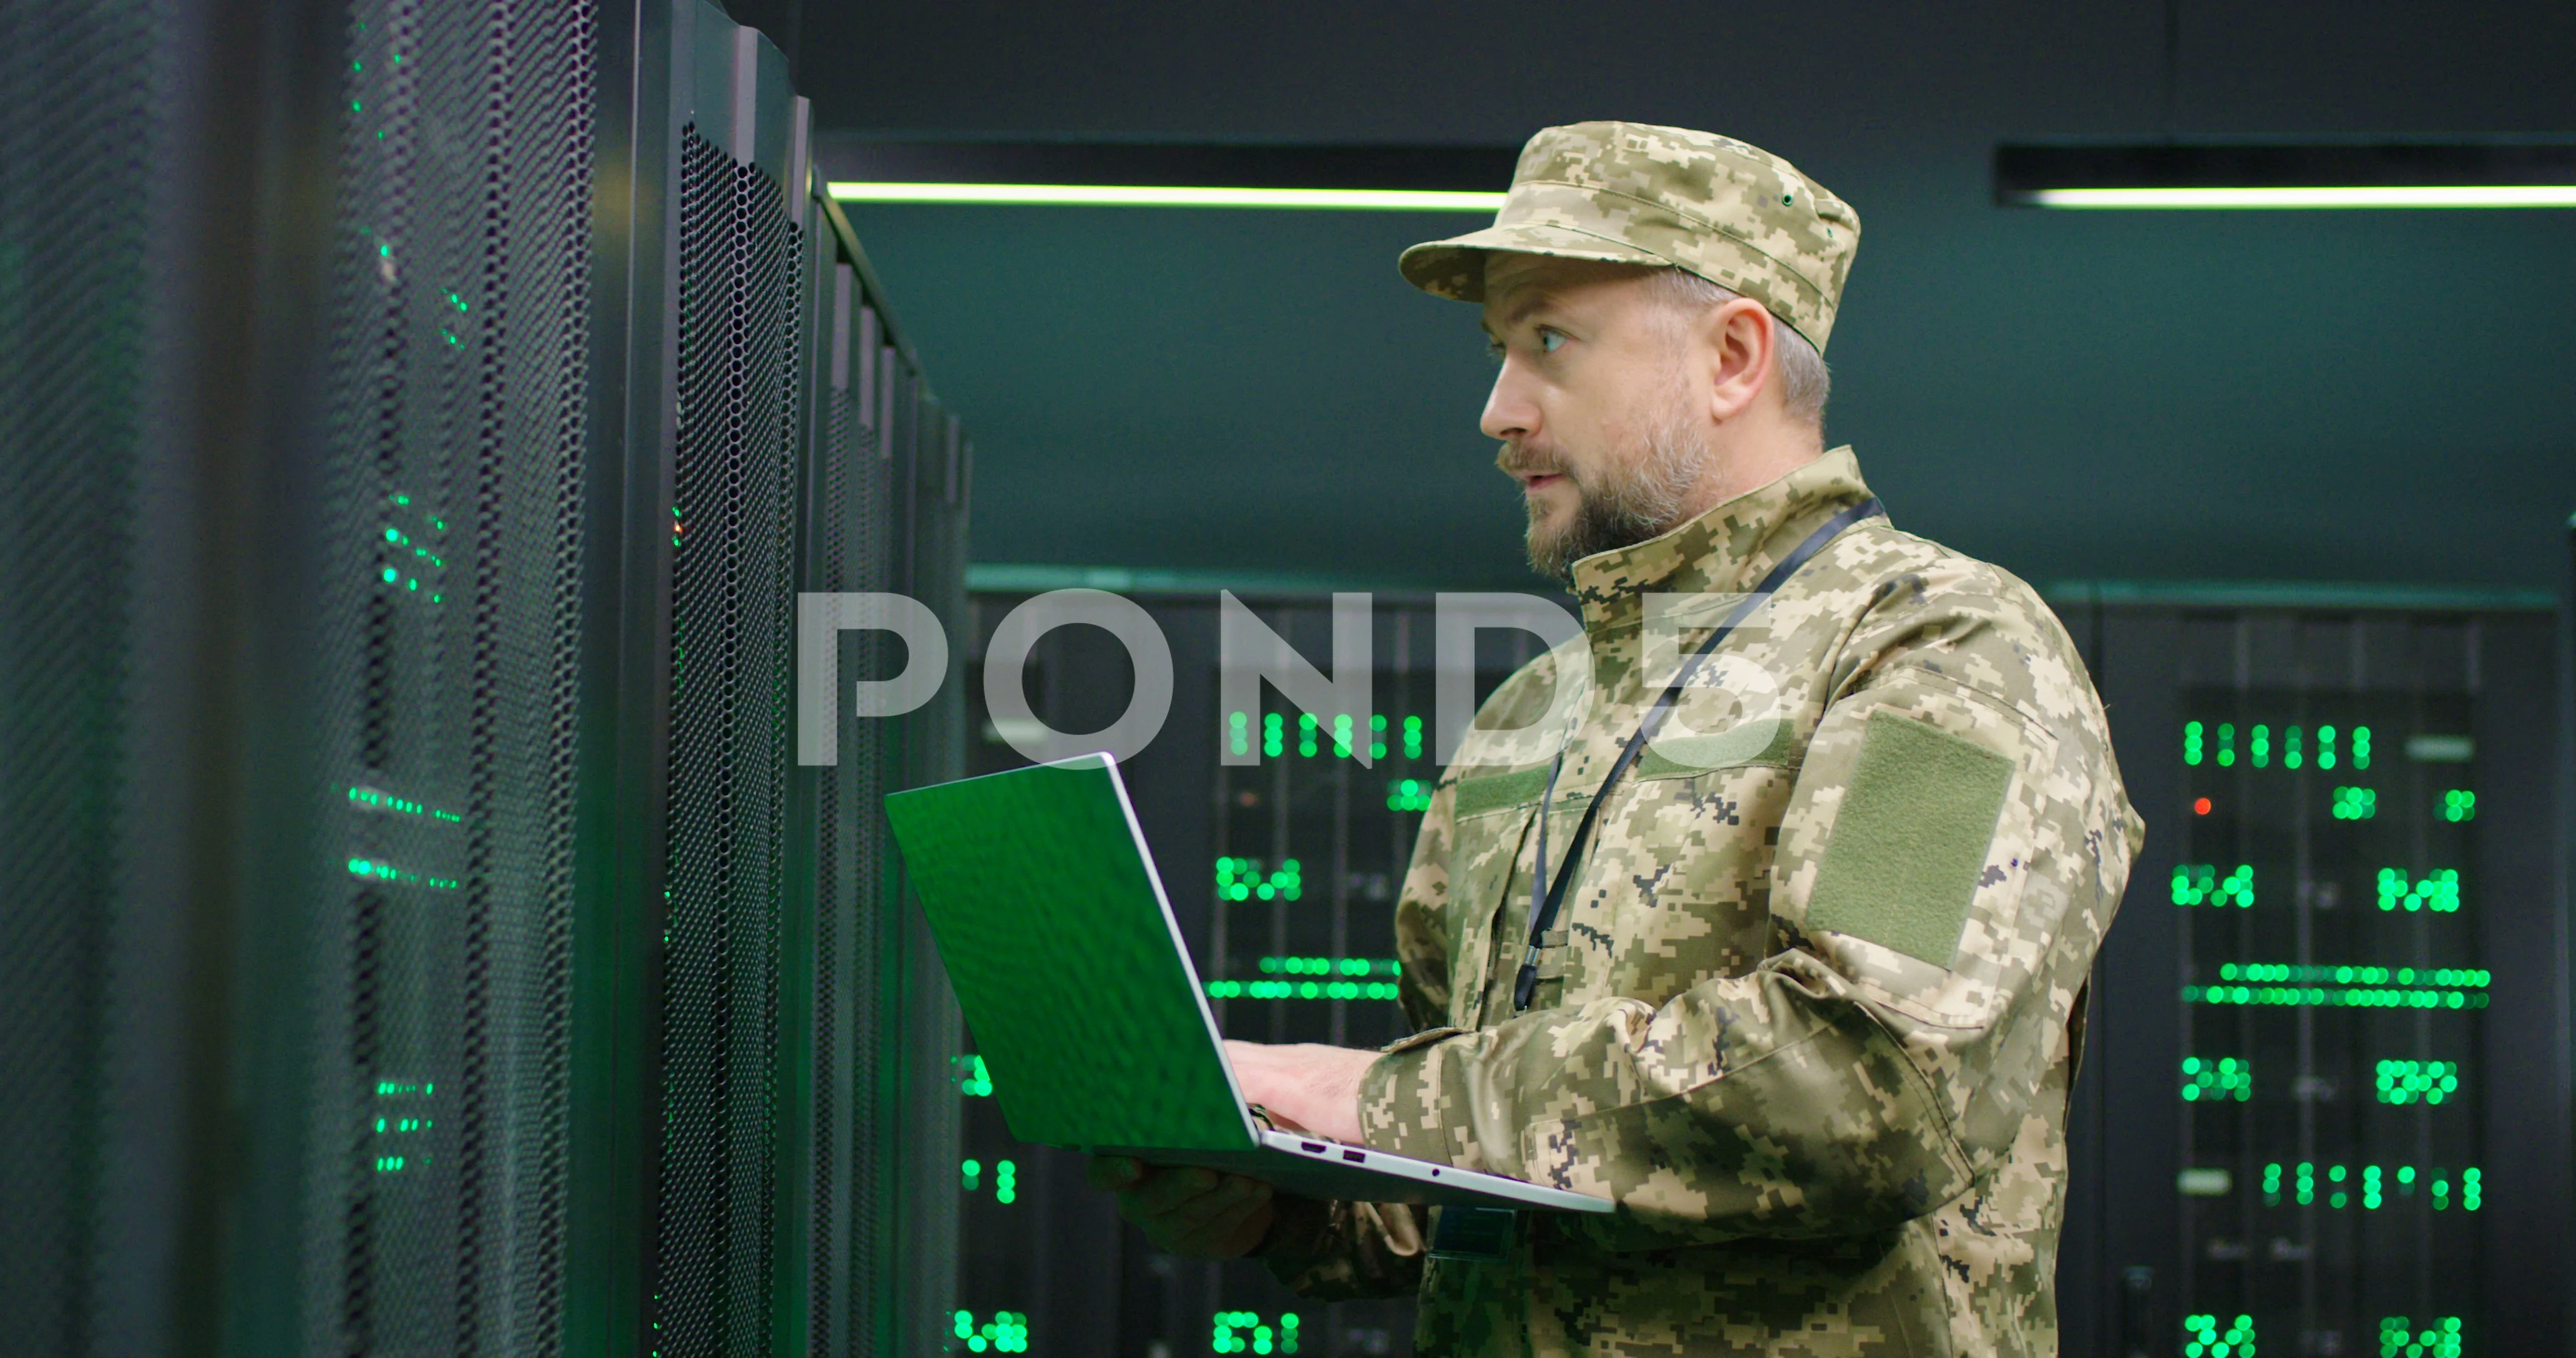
x,y
2200,807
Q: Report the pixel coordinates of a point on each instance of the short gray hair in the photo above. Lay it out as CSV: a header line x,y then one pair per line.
x,y
1805,382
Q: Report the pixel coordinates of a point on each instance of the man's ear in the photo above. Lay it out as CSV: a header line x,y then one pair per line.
x,y
1738,338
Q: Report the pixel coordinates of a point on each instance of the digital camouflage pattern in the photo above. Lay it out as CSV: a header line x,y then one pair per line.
x,y
1819,1144
1732,213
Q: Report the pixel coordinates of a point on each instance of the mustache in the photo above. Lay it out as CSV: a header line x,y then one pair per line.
x,y
1522,460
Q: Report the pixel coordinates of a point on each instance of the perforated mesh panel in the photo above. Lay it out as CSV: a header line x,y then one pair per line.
x,y
851,552
452,548
828,1246
75,88
922,1199
733,587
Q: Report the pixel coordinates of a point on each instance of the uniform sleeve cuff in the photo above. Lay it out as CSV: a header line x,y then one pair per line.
x,y
1413,1100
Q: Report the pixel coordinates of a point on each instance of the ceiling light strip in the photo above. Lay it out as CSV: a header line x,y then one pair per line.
x,y
1106,195
2360,196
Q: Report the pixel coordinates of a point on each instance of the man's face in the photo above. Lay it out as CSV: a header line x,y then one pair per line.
x,y
1594,406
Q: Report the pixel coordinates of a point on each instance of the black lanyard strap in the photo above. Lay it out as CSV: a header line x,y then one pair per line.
x,y
1543,908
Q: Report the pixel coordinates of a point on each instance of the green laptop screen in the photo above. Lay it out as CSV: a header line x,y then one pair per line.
x,y
1064,961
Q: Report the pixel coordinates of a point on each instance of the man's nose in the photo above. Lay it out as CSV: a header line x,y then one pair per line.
x,y
1509,413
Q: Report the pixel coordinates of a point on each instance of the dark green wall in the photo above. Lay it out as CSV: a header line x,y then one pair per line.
x,y
2342,396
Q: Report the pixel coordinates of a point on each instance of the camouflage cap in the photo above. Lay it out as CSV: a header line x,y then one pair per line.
x,y
1734,214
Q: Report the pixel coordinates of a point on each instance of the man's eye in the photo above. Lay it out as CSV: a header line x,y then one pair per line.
x,y
1549,341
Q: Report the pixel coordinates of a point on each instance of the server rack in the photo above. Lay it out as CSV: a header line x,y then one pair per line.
x,y
2324,1108
421,417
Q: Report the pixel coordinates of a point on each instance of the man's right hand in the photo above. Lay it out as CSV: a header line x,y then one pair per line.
x,y
1192,1212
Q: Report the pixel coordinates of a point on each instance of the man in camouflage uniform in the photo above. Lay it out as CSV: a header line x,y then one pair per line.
x,y
1813,1003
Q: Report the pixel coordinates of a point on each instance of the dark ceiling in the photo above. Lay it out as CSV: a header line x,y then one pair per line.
x,y
2373,396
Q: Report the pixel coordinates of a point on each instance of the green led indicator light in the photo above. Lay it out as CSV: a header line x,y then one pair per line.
x,y
1349,978
1241,879
2426,1082
2191,743
1006,1332
1413,737
2200,884
972,1079
1005,1179
2325,747
1301,990
374,871
2204,1337
2210,1080
2275,983
2262,748
1238,733
2355,803
2459,804
376,799
2439,890
2346,975
1408,794
2398,1338
1329,966
2361,747
1246,1332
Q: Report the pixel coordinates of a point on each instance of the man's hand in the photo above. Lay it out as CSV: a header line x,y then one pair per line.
x,y
1195,1213
1312,1086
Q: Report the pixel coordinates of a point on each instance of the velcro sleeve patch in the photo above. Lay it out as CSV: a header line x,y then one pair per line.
x,y
1910,841
1494,791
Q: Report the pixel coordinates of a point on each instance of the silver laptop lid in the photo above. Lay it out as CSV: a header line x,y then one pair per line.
x,y
1066,959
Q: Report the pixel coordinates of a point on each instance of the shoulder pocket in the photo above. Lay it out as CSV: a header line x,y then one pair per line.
x,y
1770,742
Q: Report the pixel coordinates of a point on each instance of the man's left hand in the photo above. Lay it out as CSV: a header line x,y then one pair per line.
x,y
1312,1086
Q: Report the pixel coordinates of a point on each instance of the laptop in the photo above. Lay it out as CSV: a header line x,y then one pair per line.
x,y
1061,945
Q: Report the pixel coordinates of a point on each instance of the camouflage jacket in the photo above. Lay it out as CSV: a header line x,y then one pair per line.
x,y
1812,1006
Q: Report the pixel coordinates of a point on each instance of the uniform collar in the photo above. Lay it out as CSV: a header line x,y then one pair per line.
x,y
1726,550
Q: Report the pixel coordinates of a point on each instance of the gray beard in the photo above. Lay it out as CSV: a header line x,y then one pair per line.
x,y
1630,504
